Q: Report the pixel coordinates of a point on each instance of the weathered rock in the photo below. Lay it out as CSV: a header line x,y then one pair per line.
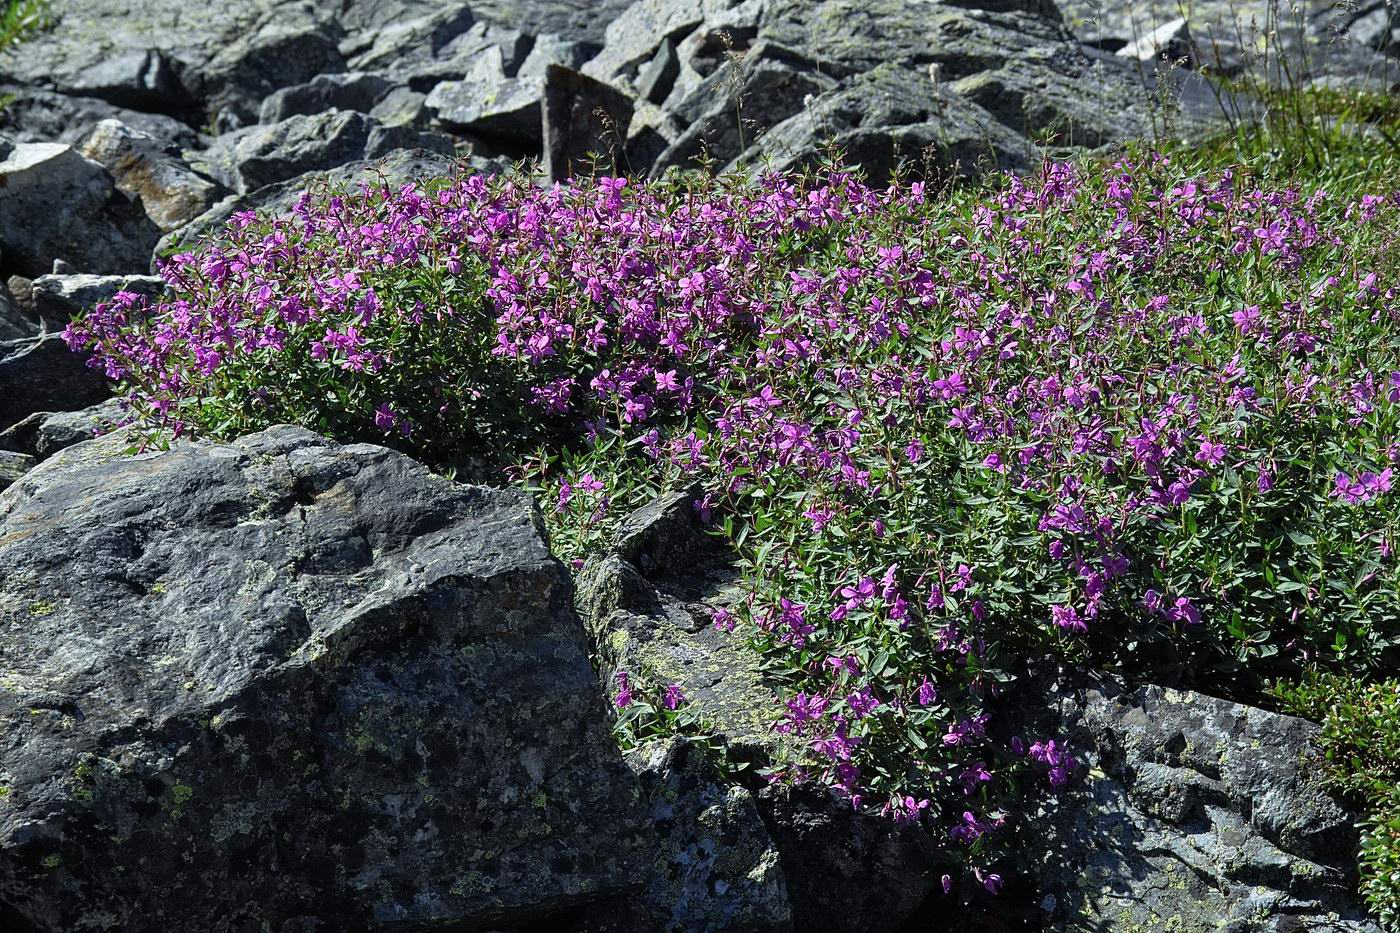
x,y
139,79
583,117
442,46
32,115
60,205
45,433
490,105
319,687
398,168
887,81
159,55
150,170
715,868
583,20
634,37
408,34
19,290
402,106
555,50
353,91
288,44
740,102
1195,815
1375,26
249,159
649,615
847,872
58,297
891,118
458,55
41,374
14,324
656,79
1297,44
1169,42
12,467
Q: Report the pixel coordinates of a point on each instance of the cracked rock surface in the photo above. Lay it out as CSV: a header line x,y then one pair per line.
x,y
288,684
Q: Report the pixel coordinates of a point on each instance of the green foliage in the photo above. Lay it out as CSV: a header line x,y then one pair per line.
x,y
1340,140
645,715
1361,751
21,18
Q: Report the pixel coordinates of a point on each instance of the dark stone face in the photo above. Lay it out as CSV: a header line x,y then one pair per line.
x,y
293,685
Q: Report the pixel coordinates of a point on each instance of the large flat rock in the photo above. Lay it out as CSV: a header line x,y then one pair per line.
x,y
290,685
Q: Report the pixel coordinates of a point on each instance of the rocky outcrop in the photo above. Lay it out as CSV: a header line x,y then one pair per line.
x,y
45,433
942,87
15,323
287,684
731,82
258,156
12,467
585,124
33,115
59,205
353,91
1195,814
41,374
151,171
1321,42
57,298
714,866
648,607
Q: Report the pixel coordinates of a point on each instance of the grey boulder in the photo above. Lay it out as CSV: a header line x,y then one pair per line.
x,y
584,120
286,684
60,205
150,170
42,374
441,46
1195,814
648,607
15,323
583,20
715,869
947,88
352,91
45,433
34,115
13,466
57,298
164,56
491,105
550,49
252,158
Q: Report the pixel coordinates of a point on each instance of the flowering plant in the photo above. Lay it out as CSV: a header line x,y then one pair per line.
x,y
1129,415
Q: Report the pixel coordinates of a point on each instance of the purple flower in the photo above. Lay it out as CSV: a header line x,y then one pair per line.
x,y
1184,611
1067,619
1210,454
624,691
862,702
